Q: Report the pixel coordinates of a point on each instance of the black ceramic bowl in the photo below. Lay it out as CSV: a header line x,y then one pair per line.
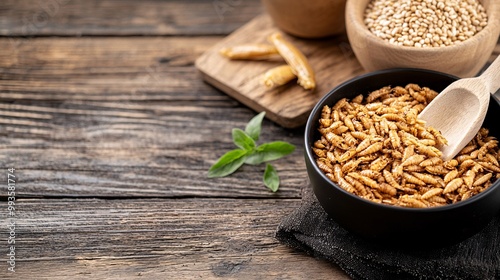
x,y
392,224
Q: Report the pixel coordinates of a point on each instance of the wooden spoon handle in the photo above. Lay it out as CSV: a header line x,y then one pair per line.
x,y
491,76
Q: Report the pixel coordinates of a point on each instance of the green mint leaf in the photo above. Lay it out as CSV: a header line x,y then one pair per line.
x,y
270,151
228,163
271,178
254,126
242,140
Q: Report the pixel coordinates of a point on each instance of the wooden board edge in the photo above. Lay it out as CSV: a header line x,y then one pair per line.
x,y
290,123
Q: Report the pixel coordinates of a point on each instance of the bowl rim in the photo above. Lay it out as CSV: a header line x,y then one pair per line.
x,y
492,28
312,123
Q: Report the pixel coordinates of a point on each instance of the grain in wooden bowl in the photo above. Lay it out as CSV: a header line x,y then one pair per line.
x,y
457,38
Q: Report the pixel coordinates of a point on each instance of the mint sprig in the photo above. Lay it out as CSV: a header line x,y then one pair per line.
x,y
248,152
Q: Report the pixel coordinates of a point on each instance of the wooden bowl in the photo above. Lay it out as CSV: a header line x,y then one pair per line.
x,y
394,225
464,59
308,19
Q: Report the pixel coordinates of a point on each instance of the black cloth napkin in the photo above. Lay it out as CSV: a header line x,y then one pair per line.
x,y
310,229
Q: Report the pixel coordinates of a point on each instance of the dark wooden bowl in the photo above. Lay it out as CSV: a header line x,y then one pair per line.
x,y
394,225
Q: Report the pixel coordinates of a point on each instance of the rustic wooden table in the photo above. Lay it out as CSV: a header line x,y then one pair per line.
x,y
111,131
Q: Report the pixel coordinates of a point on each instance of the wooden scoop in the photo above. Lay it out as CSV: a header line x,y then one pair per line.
x,y
459,110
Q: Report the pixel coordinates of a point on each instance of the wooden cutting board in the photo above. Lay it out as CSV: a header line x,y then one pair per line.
x,y
332,60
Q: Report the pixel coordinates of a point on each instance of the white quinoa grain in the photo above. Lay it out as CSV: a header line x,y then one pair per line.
x,y
425,23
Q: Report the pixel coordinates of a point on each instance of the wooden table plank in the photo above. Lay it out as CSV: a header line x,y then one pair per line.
x,y
124,17
156,239
155,182
124,117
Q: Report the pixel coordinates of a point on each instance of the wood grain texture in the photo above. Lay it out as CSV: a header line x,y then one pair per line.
x,y
124,17
332,61
112,132
156,239
116,117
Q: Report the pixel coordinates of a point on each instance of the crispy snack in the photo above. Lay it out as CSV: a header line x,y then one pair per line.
x,y
249,52
296,60
278,76
380,151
